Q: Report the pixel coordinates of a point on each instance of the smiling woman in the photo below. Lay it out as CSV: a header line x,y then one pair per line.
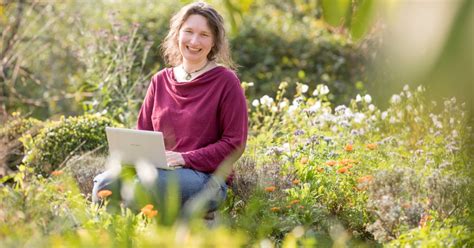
x,y
198,105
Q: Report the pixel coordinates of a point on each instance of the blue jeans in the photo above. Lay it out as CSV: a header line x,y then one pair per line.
x,y
189,183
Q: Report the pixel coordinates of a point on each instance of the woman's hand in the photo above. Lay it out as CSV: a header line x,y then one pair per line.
x,y
174,159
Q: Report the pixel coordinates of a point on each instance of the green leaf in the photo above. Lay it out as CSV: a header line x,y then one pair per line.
x,y
362,18
334,11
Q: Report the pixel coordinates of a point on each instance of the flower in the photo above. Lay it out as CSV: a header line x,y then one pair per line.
x,y
275,209
255,103
331,162
349,148
396,99
347,161
342,170
371,146
270,188
304,160
424,220
323,89
304,88
148,211
371,108
320,170
296,182
57,173
294,202
365,179
358,98
367,98
266,100
104,194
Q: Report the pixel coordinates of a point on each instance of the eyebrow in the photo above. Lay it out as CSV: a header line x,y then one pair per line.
x,y
189,28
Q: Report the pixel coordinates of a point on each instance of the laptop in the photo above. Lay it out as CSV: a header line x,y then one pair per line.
x,y
132,146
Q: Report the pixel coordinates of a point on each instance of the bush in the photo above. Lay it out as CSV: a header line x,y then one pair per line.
x,y
60,140
11,149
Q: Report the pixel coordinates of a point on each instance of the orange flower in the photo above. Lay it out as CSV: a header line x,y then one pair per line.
x,y
365,179
148,211
104,194
406,206
296,182
342,170
275,209
294,202
347,161
349,148
371,146
424,220
331,163
320,170
270,188
301,207
57,173
304,160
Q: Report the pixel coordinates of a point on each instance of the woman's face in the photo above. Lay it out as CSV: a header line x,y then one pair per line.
x,y
195,39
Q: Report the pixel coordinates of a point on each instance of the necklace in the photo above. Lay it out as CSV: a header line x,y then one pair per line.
x,y
189,74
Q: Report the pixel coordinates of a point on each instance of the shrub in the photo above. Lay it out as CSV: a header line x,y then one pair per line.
x,y
84,168
60,140
11,149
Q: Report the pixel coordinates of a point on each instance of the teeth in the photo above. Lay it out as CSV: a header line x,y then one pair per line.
x,y
194,49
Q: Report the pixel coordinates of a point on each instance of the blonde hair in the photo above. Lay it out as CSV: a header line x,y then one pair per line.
x,y
220,52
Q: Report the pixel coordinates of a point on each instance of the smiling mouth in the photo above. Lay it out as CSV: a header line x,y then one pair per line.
x,y
193,50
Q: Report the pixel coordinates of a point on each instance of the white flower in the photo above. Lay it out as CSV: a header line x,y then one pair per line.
x,y
358,98
315,107
406,87
251,84
359,117
304,88
367,98
315,92
384,115
371,107
282,104
392,120
274,109
324,90
421,88
408,94
396,99
255,103
266,100
292,109
286,147
409,108
417,119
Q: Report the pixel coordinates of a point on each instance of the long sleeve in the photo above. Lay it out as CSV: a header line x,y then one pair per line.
x,y
144,121
233,123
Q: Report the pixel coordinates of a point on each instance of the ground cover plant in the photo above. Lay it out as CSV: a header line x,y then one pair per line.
x,y
312,174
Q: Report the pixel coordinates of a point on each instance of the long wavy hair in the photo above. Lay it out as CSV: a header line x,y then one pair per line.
x,y
220,52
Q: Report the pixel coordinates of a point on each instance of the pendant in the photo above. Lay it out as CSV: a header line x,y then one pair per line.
x,y
188,76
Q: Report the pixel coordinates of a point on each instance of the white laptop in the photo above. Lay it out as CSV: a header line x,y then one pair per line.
x,y
132,146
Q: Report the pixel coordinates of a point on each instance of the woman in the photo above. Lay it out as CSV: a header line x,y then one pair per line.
x,y
197,103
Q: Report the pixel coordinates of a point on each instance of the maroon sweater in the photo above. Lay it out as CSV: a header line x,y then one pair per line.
x,y
204,119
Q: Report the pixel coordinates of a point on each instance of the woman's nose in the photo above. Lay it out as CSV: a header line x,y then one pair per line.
x,y
194,39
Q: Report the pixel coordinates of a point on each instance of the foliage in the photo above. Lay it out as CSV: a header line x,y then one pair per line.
x,y
60,140
378,173
114,71
11,149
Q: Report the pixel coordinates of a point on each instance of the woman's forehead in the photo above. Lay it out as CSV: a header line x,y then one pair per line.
x,y
196,21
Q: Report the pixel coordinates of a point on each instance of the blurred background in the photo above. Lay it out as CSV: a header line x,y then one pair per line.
x,y
70,57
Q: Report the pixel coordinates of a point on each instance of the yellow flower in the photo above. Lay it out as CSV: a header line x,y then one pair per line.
x,y
104,194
